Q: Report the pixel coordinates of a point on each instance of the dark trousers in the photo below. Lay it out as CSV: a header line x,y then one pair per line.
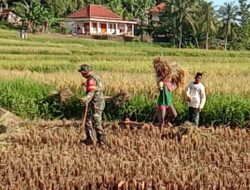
x,y
194,115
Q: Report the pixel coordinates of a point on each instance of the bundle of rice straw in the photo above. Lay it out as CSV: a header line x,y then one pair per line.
x,y
165,69
120,98
64,95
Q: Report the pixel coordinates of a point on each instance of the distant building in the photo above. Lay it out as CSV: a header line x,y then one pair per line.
x,y
98,20
7,14
155,12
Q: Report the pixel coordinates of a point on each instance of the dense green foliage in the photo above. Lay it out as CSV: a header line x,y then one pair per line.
x,y
206,26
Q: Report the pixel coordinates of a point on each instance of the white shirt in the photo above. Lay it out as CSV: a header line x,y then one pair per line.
x,y
196,92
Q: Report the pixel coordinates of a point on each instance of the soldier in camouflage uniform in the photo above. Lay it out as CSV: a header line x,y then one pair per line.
x,y
95,100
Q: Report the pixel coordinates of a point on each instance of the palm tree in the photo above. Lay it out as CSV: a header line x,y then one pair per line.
x,y
183,11
208,20
228,14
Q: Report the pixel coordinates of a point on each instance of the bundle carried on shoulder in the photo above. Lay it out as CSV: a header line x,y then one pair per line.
x,y
166,69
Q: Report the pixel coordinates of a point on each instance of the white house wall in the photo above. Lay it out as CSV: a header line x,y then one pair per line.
x,y
71,24
155,17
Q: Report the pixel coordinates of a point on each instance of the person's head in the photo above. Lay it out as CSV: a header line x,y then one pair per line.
x,y
198,77
85,71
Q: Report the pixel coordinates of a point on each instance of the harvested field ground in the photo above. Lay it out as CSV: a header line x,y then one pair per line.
x,y
51,157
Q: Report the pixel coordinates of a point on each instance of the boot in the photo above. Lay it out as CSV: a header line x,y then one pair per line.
x,y
89,140
101,139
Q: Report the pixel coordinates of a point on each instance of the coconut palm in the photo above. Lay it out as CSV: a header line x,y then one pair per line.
x,y
228,13
208,21
183,11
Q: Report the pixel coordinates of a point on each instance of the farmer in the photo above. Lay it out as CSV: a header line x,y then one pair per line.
x,y
166,110
95,100
196,97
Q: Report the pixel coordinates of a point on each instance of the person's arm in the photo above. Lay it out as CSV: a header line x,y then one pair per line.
x,y
202,98
173,86
89,96
160,85
188,93
91,88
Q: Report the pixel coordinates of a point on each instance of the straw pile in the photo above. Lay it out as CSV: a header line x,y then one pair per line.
x,y
165,69
8,121
119,99
64,95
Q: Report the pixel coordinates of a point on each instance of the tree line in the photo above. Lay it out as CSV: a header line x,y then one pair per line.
x,y
196,21
184,23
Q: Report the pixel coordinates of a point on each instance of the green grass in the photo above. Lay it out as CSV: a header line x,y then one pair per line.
x,y
31,100
22,96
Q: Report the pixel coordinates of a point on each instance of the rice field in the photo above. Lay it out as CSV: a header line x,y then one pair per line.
x,y
49,155
53,56
53,60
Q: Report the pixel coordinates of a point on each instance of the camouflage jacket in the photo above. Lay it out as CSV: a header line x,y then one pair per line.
x,y
94,91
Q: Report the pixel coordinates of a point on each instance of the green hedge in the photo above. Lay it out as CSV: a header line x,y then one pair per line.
x,y
219,109
29,99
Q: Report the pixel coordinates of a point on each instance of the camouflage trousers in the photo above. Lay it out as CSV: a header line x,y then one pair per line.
x,y
94,120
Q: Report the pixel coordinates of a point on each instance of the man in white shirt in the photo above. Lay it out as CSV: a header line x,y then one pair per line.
x,y
196,95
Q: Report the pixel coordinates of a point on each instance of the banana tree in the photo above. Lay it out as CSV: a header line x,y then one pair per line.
x,y
32,13
139,10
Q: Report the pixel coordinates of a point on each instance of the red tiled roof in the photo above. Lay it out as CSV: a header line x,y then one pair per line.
x,y
158,8
95,11
5,12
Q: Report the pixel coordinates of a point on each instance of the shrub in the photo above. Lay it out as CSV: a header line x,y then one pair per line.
x,y
128,38
100,37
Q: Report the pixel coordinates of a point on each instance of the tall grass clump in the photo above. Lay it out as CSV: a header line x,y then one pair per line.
x,y
30,99
22,96
219,110
232,110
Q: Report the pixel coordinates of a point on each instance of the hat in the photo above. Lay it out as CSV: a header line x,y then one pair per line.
x,y
84,68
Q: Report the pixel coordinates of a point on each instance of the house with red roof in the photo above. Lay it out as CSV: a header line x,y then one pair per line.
x,y
98,20
155,12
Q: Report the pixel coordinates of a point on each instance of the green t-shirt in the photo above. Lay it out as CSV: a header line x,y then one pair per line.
x,y
165,97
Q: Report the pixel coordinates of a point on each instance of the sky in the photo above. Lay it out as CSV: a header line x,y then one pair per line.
x,y
221,2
